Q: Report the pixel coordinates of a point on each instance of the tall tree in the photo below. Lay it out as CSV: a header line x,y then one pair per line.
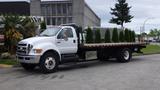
x,y
121,13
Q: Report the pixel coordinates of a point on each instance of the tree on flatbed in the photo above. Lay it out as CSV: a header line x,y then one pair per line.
x,y
115,36
107,36
121,36
89,35
121,13
97,36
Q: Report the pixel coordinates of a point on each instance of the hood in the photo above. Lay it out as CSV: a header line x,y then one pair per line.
x,y
36,40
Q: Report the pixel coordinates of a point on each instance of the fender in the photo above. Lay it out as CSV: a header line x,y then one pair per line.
x,y
45,47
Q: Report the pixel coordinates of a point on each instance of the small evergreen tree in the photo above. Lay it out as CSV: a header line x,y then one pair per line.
x,y
130,36
121,37
127,35
107,36
97,36
121,13
43,26
133,36
115,36
89,35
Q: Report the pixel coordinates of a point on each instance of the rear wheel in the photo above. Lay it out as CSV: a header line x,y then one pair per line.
x,y
48,63
28,67
124,55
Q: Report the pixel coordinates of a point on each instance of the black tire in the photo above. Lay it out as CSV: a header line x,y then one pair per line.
x,y
48,63
124,55
28,67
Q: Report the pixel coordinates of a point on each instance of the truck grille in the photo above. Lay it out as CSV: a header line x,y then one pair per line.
x,y
22,49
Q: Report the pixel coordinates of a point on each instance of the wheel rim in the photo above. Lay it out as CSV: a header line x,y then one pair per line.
x,y
50,63
126,55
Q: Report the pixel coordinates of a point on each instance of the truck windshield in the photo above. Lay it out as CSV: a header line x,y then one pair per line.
x,y
50,31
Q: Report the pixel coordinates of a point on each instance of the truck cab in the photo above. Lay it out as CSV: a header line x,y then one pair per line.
x,y
48,49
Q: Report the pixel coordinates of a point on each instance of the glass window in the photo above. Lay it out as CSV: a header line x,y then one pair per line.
x,y
54,9
59,9
53,21
48,21
67,32
64,20
50,31
64,9
70,9
59,21
70,20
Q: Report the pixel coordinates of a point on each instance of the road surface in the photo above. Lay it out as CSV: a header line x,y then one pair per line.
x,y
142,73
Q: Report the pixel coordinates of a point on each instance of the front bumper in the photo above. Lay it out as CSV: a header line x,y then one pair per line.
x,y
30,59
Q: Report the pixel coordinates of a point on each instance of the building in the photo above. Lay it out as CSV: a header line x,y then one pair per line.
x,y
55,12
12,7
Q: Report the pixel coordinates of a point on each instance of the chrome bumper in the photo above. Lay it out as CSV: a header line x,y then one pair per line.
x,y
28,59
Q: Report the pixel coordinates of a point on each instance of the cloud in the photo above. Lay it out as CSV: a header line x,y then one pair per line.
x,y
141,10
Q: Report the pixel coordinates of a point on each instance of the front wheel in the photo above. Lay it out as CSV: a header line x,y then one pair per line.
x,y
124,55
48,63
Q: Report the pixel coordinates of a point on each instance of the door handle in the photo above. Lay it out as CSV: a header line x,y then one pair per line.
x,y
58,42
74,41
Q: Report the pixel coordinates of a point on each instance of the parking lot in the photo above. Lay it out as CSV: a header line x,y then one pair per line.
x,y
142,73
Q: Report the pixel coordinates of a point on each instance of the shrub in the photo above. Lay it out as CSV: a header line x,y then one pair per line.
x,y
133,36
127,36
121,37
6,55
43,26
107,36
97,36
115,36
89,35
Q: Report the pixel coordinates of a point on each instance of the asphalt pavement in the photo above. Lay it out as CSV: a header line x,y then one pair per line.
x,y
142,73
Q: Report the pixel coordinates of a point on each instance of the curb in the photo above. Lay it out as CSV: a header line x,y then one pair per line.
x,y
5,66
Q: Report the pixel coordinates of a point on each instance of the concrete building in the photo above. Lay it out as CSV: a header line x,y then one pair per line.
x,y
56,12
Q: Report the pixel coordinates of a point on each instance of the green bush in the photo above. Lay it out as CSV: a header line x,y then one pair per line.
x,y
107,36
127,36
89,35
6,55
43,26
115,36
97,36
121,36
133,36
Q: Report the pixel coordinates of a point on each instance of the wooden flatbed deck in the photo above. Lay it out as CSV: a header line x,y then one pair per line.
x,y
108,45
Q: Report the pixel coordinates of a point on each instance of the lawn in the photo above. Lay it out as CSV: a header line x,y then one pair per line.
x,y
8,62
151,49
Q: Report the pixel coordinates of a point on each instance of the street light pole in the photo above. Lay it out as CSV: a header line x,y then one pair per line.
x,y
143,30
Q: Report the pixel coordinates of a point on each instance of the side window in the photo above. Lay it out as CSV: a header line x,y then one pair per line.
x,y
65,33
69,32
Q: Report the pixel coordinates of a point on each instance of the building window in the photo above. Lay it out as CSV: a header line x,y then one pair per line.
x,y
59,9
64,20
70,9
59,21
70,20
64,6
48,21
53,21
54,9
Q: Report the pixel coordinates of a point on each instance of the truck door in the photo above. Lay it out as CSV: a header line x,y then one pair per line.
x,y
67,41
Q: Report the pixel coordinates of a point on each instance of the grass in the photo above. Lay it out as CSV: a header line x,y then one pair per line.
x,y
150,49
8,61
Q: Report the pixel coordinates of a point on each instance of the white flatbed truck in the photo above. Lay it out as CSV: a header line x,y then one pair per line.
x,y
63,44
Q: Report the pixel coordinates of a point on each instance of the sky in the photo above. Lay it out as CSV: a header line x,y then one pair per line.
x,y
143,11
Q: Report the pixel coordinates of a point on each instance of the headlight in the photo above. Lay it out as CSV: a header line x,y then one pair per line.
x,y
38,51
30,47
